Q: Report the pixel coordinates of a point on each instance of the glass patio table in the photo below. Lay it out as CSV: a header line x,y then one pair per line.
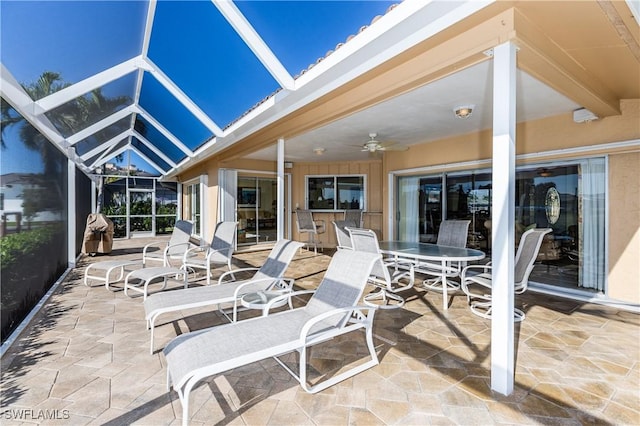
x,y
431,252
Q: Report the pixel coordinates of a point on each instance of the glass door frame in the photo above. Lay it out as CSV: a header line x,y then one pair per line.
x,y
261,174
137,234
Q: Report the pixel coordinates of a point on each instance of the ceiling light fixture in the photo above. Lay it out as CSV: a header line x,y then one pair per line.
x,y
318,151
545,173
464,111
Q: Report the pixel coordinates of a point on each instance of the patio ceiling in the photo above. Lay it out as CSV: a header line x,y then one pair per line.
x,y
186,80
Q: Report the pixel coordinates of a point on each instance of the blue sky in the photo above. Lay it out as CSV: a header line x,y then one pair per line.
x,y
190,41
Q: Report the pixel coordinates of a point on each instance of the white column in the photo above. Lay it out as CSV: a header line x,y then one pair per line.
x,y
280,213
204,207
179,201
502,230
71,213
94,198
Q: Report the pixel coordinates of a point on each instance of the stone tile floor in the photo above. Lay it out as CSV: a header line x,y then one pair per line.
x,y
85,360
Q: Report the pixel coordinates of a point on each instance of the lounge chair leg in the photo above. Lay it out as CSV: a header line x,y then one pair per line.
x,y
151,344
184,398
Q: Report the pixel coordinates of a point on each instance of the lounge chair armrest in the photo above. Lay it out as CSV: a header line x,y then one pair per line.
x,y
169,247
467,269
190,252
157,244
234,271
368,318
211,252
238,291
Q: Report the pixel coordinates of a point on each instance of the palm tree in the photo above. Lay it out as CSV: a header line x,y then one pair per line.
x,y
68,119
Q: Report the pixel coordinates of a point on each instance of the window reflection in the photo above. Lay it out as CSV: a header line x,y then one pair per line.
x,y
321,192
33,232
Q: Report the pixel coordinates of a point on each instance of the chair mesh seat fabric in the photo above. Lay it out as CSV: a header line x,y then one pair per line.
x,y
108,264
305,221
342,235
453,233
199,296
179,239
278,333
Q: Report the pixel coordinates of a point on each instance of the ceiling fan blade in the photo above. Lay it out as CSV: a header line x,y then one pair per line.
x,y
394,148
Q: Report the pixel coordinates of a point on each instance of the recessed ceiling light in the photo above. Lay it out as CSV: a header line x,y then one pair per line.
x,y
464,111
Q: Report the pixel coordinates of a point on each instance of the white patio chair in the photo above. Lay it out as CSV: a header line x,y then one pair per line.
x,y
477,286
386,274
268,277
306,225
219,252
174,249
354,215
452,233
342,235
332,310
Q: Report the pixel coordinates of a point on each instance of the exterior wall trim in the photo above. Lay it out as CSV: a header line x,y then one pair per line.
x,y
632,143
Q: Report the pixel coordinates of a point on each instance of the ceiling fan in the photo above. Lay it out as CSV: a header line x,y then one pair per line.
x,y
372,145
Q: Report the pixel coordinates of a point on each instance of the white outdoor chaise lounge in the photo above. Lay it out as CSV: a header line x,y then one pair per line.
x,y
332,310
267,277
219,252
173,250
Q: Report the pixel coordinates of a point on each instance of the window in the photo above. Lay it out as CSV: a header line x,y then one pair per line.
x,y
335,192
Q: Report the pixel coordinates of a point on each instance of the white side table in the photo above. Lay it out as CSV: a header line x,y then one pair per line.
x,y
260,300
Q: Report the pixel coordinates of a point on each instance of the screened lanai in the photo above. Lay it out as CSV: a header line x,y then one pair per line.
x,y
214,100
128,92
156,83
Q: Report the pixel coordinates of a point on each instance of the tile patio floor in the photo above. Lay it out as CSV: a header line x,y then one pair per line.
x,y
85,360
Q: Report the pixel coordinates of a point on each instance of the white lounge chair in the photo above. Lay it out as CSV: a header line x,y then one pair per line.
x,y
332,310
219,252
477,286
267,277
173,250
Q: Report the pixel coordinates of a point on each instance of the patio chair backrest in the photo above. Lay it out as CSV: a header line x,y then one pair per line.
x,y
278,260
342,235
304,221
526,255
342,285
367,241
453,233
223,241
178,243
355,216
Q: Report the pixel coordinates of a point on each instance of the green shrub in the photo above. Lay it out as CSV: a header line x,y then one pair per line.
x,y
31,262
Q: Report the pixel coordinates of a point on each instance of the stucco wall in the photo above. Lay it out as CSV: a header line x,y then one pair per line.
x,y
561,135
624,227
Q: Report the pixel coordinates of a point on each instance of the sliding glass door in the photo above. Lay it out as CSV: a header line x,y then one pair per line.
x,y
256,210
567,197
